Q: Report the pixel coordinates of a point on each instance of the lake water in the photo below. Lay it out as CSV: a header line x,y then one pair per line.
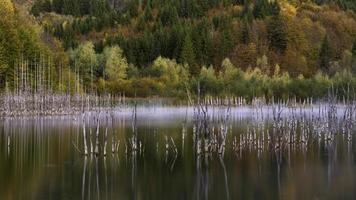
x,y
42,158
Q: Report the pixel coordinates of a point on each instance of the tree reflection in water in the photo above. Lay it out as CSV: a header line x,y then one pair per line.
x,y
301,156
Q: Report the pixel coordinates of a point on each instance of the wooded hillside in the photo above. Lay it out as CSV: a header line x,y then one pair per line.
x,y
119,45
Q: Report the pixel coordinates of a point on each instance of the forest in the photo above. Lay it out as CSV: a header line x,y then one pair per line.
x,y
167,48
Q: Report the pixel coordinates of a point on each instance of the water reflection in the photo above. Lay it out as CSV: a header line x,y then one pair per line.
x,y
43,158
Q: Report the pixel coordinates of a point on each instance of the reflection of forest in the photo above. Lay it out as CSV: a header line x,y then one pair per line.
x,y
40,157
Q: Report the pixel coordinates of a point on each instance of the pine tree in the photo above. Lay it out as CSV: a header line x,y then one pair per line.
x,y
147,15
203,42
188,56
71,7
190,8
203,4
226,44
325,55
133,7
176,40
247,11
57,6
41,6
274,8
263,8
245,33
98,8
259,9
277,35
168,15
353,50
353,62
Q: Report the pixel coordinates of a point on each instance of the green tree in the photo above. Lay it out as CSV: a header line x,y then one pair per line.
x,y
115,64
228,71
147,15
226,44
277,35
259,9
353,62
203,42
262,64
97,8
189,8
133,7
171,73
263,8
188,56
9,41
245,32
168,15
247,12
57,6
3,67
85,63
353,50
71,7
208,81
325,55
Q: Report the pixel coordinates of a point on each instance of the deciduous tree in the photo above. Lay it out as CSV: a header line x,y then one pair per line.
x,y
115,64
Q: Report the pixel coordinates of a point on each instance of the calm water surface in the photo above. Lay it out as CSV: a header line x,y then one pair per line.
x,y
39,160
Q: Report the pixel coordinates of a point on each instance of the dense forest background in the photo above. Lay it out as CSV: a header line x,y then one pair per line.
x,y
248,48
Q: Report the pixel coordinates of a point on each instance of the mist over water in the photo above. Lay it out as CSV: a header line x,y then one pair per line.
x,y
42,157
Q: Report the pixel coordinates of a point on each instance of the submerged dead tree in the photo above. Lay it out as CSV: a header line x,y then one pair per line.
x,y
209,135
37,88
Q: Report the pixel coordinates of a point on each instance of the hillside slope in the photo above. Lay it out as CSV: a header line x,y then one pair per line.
x,y
198,40
286,32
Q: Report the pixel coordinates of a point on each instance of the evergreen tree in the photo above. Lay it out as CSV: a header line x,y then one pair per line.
x,y
203,42
188,56
274,8
225,44
259,9
353,60
247,12
265,8
71,7
325,55
277,35
353,50
132,7
86,7
245,33
46,6
168,15
147,15
176,41
68,37
203,4
190,8
41,6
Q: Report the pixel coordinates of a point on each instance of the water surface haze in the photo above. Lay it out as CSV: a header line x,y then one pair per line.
x,y
295,153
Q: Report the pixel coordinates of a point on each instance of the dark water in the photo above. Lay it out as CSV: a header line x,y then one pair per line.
x,y
39,160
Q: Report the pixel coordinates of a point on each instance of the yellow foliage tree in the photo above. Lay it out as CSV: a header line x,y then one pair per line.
x,y
6,8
